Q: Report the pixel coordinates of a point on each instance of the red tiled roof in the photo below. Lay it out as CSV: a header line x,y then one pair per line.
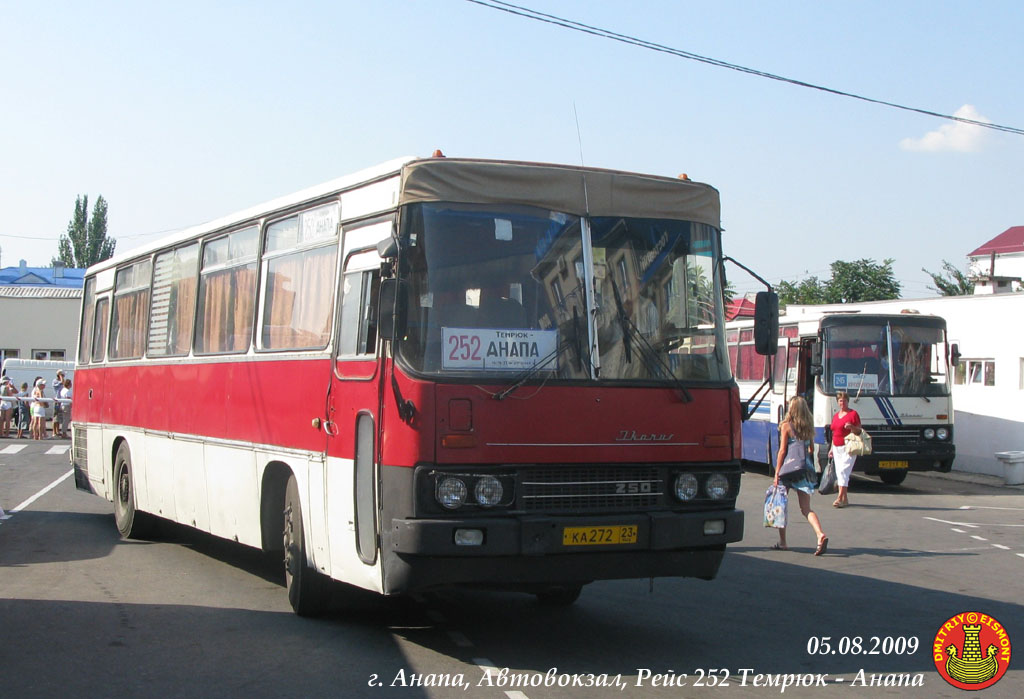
x,y
741,307
1010,240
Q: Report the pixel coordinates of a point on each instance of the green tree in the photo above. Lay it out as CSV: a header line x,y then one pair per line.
x,y
861,280
951,281
810,291
86,242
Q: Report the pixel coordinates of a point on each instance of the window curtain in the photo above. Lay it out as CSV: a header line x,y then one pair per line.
x,y
130,332
227,301
299,295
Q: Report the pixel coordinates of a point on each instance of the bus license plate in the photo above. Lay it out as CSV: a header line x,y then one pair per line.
x,y
595,536
893,464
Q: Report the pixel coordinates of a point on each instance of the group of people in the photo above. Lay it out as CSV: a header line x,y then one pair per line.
x,y
25,410
796,447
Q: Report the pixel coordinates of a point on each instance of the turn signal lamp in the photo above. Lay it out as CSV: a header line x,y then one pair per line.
x,y
716,440
458,441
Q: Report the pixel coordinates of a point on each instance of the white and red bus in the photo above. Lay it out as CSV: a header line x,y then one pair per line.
x,y
434,372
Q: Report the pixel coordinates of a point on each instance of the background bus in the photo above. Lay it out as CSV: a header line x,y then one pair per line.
x,y
434,372
894,367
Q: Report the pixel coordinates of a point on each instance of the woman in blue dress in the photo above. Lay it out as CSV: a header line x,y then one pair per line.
x,y
795,469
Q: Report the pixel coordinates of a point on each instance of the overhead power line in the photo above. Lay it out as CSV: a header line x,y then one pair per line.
x,y
634,41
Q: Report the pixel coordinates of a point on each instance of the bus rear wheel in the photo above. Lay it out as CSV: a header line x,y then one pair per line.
x,y
130,522
893,477
307,589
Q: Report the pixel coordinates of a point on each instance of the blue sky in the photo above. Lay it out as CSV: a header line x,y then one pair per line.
x,y
178,113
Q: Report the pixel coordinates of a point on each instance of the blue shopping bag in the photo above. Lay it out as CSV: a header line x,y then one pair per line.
x,y
775,506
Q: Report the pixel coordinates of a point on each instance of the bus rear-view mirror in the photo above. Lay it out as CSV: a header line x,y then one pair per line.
x,y
766,322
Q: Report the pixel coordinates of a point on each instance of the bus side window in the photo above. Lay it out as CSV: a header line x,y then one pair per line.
x,y
99,344
359,313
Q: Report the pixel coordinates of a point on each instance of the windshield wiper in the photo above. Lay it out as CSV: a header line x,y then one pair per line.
x,y
573,342
652,359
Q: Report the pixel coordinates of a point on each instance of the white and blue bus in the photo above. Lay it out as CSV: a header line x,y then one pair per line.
x,y
894,367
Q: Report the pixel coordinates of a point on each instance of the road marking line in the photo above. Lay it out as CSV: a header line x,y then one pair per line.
x,y
1000,546
946,521
59,450
979,538
986,507
12,448
972,524
958,531
43,492
1021,555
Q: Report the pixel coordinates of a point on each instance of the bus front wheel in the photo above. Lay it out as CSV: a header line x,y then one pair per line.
x,y
307,589
893,477
130,522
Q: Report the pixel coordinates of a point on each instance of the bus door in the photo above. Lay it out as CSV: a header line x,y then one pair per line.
x,y
353,420
780,395
87,408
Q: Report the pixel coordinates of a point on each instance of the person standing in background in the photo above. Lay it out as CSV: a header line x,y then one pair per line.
x,y
845,421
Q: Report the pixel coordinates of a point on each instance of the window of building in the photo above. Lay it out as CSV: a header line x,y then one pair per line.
x,y
227,293
174,301
975,372
44,354
131,311
299,262
9,354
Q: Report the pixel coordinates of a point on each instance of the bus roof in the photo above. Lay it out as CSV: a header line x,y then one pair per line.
x,y
565,188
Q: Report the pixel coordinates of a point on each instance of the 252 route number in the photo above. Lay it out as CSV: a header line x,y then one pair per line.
x,y
464,348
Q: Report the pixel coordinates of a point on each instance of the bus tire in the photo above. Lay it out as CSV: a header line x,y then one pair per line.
x,y
307,588
130,522
893,477
559,595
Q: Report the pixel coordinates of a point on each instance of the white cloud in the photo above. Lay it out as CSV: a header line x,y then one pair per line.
x,y
954,136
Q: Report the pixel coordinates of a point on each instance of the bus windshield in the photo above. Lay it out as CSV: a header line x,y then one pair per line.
x,y
857,359
496,293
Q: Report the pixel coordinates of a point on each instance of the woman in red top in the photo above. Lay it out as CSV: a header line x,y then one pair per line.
x,y
843,423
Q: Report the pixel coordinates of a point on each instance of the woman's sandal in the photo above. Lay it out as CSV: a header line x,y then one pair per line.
x,y
779,547
822,546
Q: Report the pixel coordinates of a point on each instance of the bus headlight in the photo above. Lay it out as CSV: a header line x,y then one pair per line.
x,y
717,486
488,491
942,433
929,433
686,486
451,492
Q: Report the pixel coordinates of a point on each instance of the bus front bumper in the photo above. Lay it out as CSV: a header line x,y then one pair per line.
x,y
515,551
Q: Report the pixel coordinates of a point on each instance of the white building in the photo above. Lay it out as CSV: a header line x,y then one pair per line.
x,y
39,309
998,265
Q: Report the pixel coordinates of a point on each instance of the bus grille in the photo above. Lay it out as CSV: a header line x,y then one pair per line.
x,y
591,488
895,440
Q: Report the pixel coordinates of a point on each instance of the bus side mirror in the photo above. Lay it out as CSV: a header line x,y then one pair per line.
x,y
766,322
393,297
816,366
954,354
387,248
